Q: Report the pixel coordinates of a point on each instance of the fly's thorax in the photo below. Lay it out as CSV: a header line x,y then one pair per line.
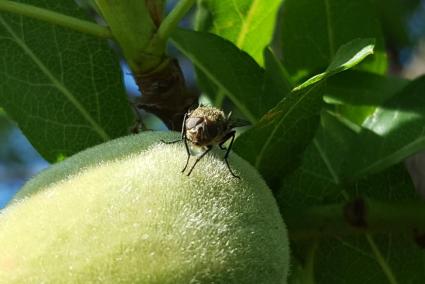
x,y
211,113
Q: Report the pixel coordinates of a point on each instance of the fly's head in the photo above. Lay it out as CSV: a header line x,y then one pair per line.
x,y
206,126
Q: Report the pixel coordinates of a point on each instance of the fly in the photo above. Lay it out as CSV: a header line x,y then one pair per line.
x,y
205,127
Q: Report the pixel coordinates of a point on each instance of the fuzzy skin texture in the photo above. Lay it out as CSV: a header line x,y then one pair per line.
x,y
122,212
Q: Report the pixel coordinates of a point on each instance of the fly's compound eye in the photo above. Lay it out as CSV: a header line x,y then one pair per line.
x,y
211,130
192,122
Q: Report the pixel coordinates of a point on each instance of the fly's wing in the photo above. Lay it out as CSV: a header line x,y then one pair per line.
x,y
238,122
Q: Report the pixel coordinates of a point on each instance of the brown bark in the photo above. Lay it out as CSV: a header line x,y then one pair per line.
x,y
164,93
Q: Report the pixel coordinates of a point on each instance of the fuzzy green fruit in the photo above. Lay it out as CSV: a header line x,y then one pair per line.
x,y
122,212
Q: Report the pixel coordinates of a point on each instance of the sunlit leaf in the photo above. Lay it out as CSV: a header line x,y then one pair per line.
x,y
249,24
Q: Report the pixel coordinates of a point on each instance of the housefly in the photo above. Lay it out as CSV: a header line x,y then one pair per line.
x,y
205,127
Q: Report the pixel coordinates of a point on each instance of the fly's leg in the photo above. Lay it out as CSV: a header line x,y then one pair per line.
x,y
187,151
185,140
230,135
183,133
198,159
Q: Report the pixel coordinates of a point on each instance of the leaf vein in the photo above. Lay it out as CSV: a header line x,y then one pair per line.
x,y
274,131
326,161
96,127
246,24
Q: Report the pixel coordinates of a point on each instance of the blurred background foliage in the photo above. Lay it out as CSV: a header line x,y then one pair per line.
x,y
403,24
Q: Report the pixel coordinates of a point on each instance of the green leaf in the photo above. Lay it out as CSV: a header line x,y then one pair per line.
x,y
232,70
64,89
249,24
391,134
335,144
339,257
347,56
358,88
310,45
274,144
276,85
357,94
399,124
276,78
333,170
352,260
347,151
317,180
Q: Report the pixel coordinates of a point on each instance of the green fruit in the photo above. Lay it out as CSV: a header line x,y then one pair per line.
x,y
122,212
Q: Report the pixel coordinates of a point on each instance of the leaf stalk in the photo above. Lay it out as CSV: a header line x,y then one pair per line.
x,y
171,21
358,216
55,18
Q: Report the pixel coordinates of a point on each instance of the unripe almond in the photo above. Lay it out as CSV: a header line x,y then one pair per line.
x,y
122,212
